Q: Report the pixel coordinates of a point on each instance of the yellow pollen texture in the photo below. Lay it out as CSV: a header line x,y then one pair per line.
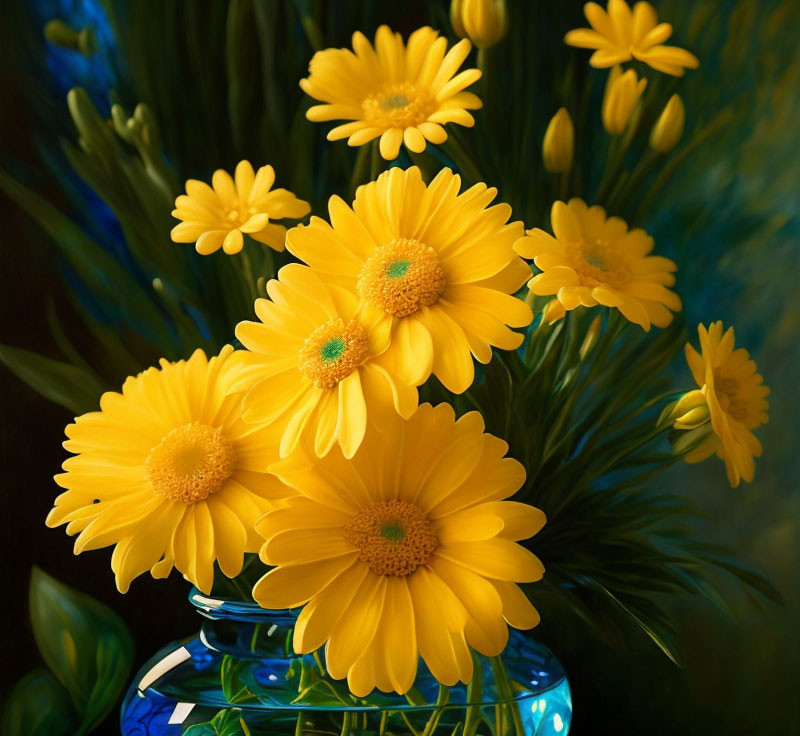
x,y
190,463
598,262
397,105
332,352
402,277
393,537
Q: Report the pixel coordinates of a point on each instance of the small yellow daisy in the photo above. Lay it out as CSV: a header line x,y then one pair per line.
x,y
408,550
735,399
596,260
402,93
217,217
433,269
315,369
621,34
169,473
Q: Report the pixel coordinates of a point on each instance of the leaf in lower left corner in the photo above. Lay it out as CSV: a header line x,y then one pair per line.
x,y
84,643
38,705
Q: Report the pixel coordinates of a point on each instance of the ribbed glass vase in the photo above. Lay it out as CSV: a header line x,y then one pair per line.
x,y
240,676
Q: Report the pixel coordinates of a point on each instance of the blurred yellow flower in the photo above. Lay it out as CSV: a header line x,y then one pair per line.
x,y
402,93
669,127
596,260
619,35
734,399
434,269
558,144
218,217
622,92
313,367
169,473
485,22
409,549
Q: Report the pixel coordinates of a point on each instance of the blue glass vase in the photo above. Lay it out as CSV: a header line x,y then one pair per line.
x,y
239,675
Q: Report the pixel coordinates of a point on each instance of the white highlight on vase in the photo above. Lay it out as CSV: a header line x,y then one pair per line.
x,y
172,660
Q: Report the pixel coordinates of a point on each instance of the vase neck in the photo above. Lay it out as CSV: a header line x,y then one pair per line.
x,y
240,627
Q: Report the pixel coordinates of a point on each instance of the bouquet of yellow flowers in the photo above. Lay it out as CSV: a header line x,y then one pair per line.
x,y
382,438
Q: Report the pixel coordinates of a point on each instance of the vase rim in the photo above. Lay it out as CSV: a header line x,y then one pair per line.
x,y
222,608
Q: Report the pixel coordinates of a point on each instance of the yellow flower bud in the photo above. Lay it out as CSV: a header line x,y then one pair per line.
x,y
61,34
690,411
559,140
456,6
669,127
484,21
623,91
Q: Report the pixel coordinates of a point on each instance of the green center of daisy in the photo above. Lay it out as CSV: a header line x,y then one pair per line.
x,y
392,537
398,105
397,269
402,277
595,261
392,102
393,530
332,350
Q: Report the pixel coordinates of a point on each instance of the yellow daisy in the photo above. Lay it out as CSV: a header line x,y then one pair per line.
x,y
596,260
621,34
217,217
407,550
402,93
169,473
314,369
736,401
434,268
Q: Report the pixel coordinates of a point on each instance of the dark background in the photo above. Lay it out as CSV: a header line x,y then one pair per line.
x,y
741,673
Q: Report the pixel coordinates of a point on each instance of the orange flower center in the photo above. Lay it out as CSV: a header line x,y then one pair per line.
x,y
397,105
190,463
726,389
402,277
598,262
393,537
333,351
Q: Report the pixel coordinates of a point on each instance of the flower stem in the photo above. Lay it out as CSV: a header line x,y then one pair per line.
x,y
462,159
506,696
666,173
361,168
347,723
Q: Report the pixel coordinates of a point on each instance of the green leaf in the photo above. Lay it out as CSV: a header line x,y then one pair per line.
x,y
85,644
107,279
38,705
68,385
227,722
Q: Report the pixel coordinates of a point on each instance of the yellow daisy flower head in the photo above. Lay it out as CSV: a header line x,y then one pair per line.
x,y
620,34
407,550
402,93
314,367
433,268
594,259
216,217
735,402
169,473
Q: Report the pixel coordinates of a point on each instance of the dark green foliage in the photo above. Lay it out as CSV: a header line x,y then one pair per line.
x,y
227,722
589,432
38,705
85,645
